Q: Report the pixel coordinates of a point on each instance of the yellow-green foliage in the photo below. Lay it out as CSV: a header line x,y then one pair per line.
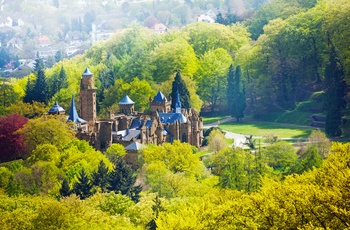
x,y
177,157
315,199
52,130
78,155
45,213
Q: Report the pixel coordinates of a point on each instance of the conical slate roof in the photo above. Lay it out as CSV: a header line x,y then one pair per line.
x,y
87,72
134,146
56,109
126,101
73,114
159,97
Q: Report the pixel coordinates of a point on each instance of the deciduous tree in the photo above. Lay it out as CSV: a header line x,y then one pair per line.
x,y
12,143
47,130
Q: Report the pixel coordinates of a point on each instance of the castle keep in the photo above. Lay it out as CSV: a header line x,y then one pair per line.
x,y
131,128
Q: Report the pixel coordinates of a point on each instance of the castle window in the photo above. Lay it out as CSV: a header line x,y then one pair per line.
x,y
171,139
184,137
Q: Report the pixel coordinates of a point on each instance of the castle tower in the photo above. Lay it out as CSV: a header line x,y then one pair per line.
x,y
87,96
160,103
126,105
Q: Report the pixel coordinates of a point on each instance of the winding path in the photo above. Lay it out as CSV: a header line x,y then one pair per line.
x,y
239,139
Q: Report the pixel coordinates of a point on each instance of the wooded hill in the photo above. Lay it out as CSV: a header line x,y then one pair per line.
x,y
283,51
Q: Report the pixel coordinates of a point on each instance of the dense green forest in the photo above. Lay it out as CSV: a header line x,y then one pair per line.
x,y
287,56
283,52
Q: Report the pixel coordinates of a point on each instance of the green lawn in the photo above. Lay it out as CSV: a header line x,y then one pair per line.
x,y
209,120
264,128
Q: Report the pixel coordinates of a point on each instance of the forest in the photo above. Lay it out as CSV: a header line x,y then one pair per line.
x,y
288,54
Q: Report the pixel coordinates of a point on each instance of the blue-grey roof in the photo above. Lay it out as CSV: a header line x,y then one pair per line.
x,y
87,72
178,101
136,124
129,134
73,114
56,108
126,101
134,146
159,97
172,117
148,124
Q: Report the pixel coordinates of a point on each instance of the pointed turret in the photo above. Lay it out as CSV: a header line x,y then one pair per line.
x,y
177,103
160,103
73,114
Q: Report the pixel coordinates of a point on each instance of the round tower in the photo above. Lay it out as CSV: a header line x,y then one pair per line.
x,y
126,105
87,96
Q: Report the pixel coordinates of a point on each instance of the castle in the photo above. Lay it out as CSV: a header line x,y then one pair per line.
x,y
129,127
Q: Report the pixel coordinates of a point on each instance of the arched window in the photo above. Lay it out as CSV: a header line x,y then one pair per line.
x,y
184,137
171,139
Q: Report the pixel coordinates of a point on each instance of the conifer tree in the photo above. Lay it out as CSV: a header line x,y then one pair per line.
x,y
65,188
40,92
334,94
39,64
180,86
100,177
59,81
236,93
62,77
83,187
230,89
122,179
28,98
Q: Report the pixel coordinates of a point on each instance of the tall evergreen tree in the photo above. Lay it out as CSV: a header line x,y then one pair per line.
x,y
230,88
39,63
40,89
100,177
28,98
65,189
236,93
335,86
122,179
83,187
180,86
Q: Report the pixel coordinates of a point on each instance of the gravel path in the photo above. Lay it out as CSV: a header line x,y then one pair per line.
x,y
239,139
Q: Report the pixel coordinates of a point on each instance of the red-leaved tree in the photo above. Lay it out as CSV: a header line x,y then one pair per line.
x,y
11,142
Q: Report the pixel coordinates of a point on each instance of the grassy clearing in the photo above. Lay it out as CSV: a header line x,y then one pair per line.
x,y
300,114
209,120
265,128
201,153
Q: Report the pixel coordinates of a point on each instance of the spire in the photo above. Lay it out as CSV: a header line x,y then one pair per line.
x,y
177,102
73,114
